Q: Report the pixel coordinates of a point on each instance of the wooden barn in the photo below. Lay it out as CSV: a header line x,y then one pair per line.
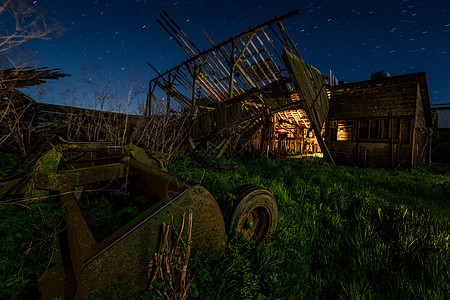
x,y
382,122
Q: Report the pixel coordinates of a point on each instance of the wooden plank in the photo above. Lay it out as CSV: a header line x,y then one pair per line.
x,y
233,63
191,142
245,47
236,142
179,44
283,30
297,70
179,36
224,148
244,73
257,63
220,145
178,27
264,61
304,77
226,57
271,59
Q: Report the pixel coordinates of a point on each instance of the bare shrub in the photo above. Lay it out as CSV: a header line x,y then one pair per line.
x,y
13,131
170,263
21,22
119,119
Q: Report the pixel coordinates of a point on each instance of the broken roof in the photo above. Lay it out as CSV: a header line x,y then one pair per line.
x,y
26,77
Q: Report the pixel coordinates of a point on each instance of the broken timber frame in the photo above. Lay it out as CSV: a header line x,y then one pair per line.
x,y
242,80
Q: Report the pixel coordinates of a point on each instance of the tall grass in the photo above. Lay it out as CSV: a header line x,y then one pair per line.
x,y
28,236
342,232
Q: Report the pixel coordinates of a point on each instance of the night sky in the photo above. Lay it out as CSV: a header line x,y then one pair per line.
x,y
108,39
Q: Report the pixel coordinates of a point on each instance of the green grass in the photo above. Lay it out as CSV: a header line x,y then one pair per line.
x,y
342,232
27,240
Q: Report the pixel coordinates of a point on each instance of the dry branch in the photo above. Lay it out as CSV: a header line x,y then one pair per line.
x,y
22,22
170,263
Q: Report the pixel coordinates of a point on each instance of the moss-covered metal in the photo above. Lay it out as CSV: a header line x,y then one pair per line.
x,y
119,265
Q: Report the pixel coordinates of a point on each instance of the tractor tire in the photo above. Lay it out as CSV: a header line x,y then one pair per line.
x,y
256,213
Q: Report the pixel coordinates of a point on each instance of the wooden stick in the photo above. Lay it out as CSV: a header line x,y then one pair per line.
x,y
226,58
268,54
176,25
256,63
178,234
283,30
244,73
188,250
218,46
264,61
178,35
176,40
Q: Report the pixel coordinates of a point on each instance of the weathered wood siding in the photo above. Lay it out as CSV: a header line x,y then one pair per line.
x,y
420,112
374,101
362,154
390,120
374,154
344,153
421,147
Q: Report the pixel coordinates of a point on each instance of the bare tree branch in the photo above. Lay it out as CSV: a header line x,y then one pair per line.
x,y
21,22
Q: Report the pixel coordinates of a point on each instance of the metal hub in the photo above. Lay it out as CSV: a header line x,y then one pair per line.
x,y
256,223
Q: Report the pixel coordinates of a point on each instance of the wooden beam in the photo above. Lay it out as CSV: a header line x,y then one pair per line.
x,y
245,47
259,27
258,66
296,68
233,63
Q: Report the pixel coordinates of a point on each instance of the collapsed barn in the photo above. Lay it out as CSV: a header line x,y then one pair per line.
x,y
253,91
383,122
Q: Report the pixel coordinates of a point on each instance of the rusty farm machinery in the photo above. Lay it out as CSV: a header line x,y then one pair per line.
x,y
116,264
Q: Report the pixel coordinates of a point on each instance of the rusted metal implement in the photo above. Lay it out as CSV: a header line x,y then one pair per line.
x,y
116,265
253,89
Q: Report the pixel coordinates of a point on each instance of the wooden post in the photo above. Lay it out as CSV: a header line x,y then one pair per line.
x,y
413,141
168,94
148,105
430,136
148,108
232,67
194,92
391,133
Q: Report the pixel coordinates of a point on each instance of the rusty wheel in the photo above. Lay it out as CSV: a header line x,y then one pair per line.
x,y
256,213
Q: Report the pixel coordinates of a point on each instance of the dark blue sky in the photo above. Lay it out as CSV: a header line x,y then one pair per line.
x,y
108,39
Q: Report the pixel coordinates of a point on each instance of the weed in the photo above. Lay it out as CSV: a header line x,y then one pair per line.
x,y
27,242
343,232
